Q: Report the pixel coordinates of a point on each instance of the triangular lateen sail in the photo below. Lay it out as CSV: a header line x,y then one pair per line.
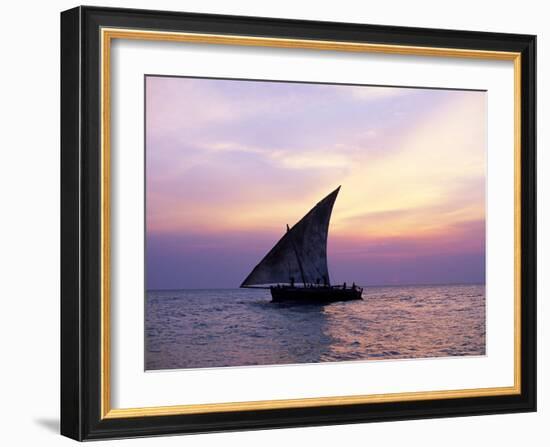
x,y
301,254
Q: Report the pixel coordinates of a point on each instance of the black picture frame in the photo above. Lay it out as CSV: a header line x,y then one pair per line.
x,y
81,209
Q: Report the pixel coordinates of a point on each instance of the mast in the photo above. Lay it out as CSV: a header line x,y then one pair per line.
x,y
297,256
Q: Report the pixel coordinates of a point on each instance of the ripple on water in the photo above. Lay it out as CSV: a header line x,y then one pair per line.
x,y
213,328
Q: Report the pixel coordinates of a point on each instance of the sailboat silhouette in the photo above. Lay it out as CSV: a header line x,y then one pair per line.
x,y
300,256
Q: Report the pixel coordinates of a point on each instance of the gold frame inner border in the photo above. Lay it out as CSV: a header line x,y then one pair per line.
x,y
107,35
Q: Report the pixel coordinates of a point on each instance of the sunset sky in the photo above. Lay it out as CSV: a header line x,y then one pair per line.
x,y
229,163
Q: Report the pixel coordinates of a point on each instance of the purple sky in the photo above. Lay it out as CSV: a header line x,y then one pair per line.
x,y
230,163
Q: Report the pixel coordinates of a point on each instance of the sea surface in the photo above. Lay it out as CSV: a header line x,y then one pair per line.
x,y
239,327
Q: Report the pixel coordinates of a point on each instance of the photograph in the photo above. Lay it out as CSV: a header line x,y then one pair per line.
x,y
299,222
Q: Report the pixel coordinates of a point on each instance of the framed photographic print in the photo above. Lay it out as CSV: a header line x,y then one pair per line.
x,y
277,223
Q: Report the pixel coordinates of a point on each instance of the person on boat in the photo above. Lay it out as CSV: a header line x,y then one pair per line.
x,y
325,282
344,286
292,281
353,286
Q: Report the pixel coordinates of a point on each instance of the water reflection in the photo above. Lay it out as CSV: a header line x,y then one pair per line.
x,y
214,328
409,322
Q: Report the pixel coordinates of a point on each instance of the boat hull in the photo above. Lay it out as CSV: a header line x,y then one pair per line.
x,y
311,295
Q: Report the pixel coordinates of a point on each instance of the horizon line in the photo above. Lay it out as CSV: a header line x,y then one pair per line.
x,y
170,289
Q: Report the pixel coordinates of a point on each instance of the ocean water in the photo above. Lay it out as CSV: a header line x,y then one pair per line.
x,y
238,327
